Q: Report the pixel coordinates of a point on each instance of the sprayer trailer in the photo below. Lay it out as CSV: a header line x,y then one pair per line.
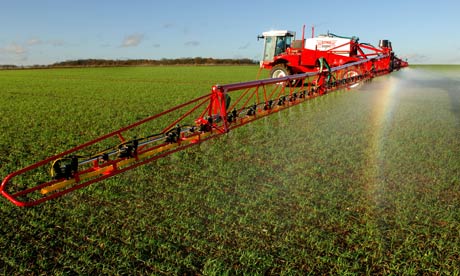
x,y
284,55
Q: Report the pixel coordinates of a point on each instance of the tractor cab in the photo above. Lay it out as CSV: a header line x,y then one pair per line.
x,y
276,42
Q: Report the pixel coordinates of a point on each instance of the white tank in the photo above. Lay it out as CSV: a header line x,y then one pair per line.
x,y
340,46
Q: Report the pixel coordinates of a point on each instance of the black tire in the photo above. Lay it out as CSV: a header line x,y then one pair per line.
x,y
279,71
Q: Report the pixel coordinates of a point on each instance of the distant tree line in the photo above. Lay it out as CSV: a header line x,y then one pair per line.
x,y
9,66
137,62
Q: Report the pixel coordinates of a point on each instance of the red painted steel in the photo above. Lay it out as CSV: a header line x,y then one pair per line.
x,y
181,127
302,60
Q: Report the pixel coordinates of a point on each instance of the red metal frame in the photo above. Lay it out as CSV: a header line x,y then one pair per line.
x,y
302,60
192,122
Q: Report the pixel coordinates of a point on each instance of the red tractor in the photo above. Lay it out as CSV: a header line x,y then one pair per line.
x,y
284,55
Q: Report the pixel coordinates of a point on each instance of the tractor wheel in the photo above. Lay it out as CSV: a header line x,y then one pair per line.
x,y
279,71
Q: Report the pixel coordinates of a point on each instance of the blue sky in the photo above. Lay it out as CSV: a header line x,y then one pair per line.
x,y
48,31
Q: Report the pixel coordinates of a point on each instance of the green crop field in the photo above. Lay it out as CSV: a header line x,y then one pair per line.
x,y
365,181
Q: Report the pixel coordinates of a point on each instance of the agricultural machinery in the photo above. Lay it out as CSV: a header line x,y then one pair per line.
x,y
300,71
284,55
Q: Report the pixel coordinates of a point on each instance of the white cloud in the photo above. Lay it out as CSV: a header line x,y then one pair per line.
x,y
34,41
18,53
192,43
53,42
13,52
132,40
57,42
14,48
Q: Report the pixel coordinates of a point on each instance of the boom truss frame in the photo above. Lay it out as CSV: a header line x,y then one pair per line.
x,y
225,108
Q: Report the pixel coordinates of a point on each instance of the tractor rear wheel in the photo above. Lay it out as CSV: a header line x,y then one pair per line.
x,y
279,71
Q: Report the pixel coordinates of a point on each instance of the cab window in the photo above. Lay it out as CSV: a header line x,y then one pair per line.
x,y
282,43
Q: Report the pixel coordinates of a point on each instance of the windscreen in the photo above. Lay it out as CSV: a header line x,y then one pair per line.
x,y
269,50
276,45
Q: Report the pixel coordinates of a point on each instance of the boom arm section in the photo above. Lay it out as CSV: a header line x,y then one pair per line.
x,y
227,107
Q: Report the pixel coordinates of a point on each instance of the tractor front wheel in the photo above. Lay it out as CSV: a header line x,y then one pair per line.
x,y
279,71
